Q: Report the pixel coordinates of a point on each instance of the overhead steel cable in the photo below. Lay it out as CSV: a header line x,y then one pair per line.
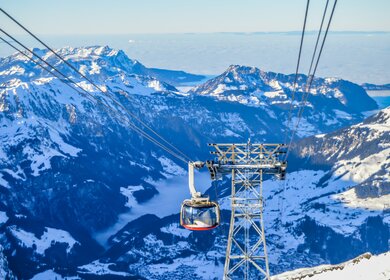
x,y
88,95
310,78
296,72
96,86
323,42
319,35
40,65
294,90
37,56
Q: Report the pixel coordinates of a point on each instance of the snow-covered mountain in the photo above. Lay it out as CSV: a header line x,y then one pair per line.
x,y
359,154
331,101
76,183
368,86
315,217
96,62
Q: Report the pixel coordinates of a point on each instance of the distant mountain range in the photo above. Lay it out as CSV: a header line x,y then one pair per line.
x,y
97,62
368,86
69,170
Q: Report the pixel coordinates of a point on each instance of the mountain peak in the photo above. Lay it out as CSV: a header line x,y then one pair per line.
x,y
88,51
99,62
253,86
241,70
236,80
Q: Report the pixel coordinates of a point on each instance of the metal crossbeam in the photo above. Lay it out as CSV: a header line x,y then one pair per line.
x,y
246,253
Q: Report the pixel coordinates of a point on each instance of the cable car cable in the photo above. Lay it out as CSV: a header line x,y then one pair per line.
x,y
42,66
308,87
310,80
309,84
319,35
296,72
294,90
89,96
96,86
107,107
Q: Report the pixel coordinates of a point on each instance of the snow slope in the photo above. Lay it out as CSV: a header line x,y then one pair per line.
x,y
363,267
310,219
49,237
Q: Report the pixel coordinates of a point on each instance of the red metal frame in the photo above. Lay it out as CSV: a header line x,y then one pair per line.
x,y
199,228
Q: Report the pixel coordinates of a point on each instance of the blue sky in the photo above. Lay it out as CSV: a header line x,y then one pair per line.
x,y
180,16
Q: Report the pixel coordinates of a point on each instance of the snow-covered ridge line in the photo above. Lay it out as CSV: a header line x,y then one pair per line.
x,y
365,266
252,86
97,62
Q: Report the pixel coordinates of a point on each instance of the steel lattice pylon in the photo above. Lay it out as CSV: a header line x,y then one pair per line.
x,y
246,253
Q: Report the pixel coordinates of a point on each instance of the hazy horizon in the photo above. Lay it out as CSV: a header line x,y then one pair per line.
x,y
358,57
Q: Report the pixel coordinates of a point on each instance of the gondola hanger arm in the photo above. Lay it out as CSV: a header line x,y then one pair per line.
x,y
191,181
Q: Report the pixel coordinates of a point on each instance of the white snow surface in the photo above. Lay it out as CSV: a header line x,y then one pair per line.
x,y
21,96
176,229
364,267
170,168
128,192
301,187
3,217
350,199
3,182
205,268
99,268
305,128
50,236
52,275
360,169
